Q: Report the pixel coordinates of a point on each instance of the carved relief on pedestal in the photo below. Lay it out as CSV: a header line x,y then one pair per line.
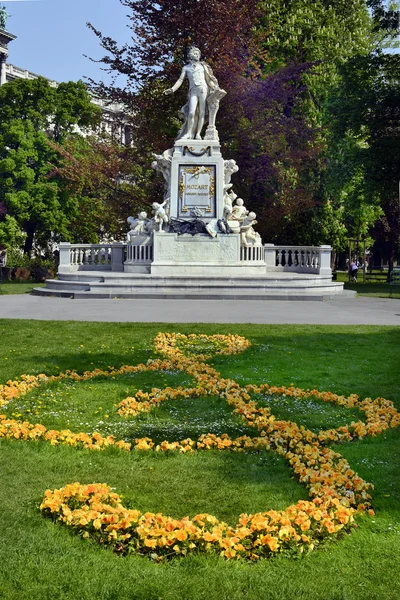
x,y
176,249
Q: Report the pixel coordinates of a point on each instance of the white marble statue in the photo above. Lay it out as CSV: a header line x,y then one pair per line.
x,y
160,215
230,167
204,93
239,211
139,226
229,198
248,236
162,164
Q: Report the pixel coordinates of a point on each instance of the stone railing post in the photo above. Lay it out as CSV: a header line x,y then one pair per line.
x,y
325,261
117,256
270,256
64,258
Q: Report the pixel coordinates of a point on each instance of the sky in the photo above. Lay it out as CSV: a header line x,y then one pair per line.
x,y
52,37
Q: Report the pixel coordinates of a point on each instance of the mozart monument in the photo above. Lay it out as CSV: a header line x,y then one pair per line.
x,y
201,227
201,241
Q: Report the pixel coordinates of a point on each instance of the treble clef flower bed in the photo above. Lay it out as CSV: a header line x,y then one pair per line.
x,y
337,494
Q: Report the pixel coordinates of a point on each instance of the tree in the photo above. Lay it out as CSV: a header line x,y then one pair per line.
x,y
281,63
100,179
368,109
162,32
324,35
32,113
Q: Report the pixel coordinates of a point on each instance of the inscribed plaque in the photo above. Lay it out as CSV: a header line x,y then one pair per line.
x,y
196,191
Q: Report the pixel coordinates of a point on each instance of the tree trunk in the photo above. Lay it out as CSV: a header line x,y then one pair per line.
x,y
30,234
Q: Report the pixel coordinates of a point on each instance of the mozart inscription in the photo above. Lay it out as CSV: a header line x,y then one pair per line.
x,y
196,189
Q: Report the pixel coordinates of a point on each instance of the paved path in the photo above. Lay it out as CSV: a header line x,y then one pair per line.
x,y
361,311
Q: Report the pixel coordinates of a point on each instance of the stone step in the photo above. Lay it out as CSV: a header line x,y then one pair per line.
x,y
55,284
201,283
232,294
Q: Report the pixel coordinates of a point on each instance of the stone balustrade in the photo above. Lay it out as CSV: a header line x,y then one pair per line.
x,y
138,255
91,257
252,253
298,259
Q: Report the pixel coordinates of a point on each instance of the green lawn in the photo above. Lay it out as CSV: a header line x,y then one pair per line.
x,y
18,287
42,560
374,289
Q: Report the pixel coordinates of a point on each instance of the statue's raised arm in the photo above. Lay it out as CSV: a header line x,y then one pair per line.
x,y
204,96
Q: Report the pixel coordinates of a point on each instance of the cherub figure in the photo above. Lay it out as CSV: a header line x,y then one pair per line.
x,y
139,226
160,216
248,236
239,211
229,199
230,167
162,164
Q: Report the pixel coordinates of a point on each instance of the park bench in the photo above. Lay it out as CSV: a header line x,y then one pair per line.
x,y
375,276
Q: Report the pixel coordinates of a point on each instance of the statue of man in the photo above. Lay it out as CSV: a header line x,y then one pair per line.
x,y
202,84
3,17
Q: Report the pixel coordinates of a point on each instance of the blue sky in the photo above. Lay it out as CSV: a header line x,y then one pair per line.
x,y
52,36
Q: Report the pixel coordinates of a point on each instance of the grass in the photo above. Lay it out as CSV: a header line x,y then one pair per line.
x,y
373,289
39,559
18,287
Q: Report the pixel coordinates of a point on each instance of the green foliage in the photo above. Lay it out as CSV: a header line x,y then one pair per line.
x,y
365,111
343,97
10,232
326,31
24,187
102,183
16,258
327,34
56,110
32,113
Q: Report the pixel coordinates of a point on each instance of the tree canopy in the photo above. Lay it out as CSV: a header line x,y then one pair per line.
x,y
280,62
33,112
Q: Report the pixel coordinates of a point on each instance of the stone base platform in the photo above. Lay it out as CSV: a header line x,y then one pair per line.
x,y
271,286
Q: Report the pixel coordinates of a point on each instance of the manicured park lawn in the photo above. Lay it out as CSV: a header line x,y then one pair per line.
x,y
374,289
42,559
18,287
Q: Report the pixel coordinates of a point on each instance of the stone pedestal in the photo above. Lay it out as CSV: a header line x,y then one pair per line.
x,y
5,39
196,191
197,180
325,261
201,255
139,254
